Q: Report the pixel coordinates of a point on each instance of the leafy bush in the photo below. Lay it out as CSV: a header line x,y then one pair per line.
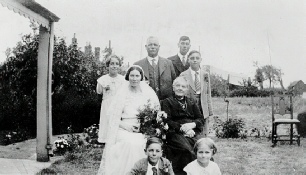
x,y
75,109
71,143
230,129
251,92
91,134
74,101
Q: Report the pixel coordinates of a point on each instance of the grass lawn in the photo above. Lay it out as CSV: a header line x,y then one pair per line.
x,y
256,156
234,156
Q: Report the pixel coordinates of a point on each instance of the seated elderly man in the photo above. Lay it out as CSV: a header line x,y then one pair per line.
x,y
185,123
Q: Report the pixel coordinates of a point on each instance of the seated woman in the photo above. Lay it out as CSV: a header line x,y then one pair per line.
x,y
124,144
185,123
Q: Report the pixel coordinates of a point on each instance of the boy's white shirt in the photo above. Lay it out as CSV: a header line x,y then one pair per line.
x,y
149,170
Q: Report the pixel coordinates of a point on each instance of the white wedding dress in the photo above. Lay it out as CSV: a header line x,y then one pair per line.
x,y
123,148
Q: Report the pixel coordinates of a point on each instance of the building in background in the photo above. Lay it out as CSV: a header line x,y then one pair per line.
x,y
297,87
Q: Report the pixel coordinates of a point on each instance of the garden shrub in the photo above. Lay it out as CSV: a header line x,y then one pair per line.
x,y
72,143
253,92
91,134
230,129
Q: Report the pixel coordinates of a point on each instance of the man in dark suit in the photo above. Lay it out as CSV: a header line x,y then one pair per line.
x,y
179,60
157,70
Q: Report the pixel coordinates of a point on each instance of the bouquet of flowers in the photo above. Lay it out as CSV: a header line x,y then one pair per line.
x,y
153,123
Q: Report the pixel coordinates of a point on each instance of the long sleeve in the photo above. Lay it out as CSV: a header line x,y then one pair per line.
x,y
209,101
206,101
173,74
166,106
199,121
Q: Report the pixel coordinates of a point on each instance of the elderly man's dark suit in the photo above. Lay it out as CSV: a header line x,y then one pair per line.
x,y
178,65
166,75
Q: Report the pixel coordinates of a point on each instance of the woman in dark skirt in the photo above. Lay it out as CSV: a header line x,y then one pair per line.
x,y
185,124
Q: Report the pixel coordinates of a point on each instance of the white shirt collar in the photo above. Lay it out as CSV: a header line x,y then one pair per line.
x,y
151,58
149,171
181,56
193,72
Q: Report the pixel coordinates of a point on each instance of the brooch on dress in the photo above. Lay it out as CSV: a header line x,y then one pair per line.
x,y
183,105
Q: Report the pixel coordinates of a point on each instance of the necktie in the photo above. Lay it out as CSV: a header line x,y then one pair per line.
x,y
153,63
197,82
183,61
154,170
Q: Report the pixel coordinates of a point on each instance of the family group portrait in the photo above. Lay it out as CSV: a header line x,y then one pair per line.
x,y
152,88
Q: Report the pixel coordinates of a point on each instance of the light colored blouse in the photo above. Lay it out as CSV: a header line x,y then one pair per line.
x,y
193,168
108,85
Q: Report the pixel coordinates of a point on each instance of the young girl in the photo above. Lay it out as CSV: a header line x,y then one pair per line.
x,y
204,148
154,164
107,85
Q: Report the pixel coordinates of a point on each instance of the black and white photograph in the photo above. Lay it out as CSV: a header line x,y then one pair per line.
x,y
140,87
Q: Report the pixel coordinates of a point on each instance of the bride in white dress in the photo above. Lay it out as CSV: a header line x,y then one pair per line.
x,y
124,144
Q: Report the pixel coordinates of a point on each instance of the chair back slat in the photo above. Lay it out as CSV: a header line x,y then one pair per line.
x,y
281,104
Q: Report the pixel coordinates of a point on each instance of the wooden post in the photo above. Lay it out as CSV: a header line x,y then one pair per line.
x,y
44,81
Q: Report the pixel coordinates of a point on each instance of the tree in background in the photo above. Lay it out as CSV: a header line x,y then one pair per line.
x,y
8,52
74,101
19,79
280,79
270,73
219,86
259,77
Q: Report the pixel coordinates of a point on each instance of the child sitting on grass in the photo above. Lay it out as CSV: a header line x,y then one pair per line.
x,y
154,164
204,148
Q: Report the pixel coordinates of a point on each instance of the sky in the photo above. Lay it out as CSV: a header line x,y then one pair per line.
x,y
231,35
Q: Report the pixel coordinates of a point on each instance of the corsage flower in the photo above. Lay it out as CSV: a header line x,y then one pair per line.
x,y
107,88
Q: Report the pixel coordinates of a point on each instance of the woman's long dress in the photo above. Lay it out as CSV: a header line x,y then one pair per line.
x,y
124,148
180,147
107,86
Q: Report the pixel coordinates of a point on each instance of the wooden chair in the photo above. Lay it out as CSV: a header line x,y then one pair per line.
x,y
282,105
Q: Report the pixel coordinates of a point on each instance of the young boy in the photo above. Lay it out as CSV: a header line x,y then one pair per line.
x,y
154,164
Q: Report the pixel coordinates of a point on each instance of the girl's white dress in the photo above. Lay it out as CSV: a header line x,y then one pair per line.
x,y
124,148
193,168
108,86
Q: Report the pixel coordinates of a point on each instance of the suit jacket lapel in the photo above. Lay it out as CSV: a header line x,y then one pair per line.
x,y
203,83
145,166
162,65
179,64
191,82
186,65
145,68
160,166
